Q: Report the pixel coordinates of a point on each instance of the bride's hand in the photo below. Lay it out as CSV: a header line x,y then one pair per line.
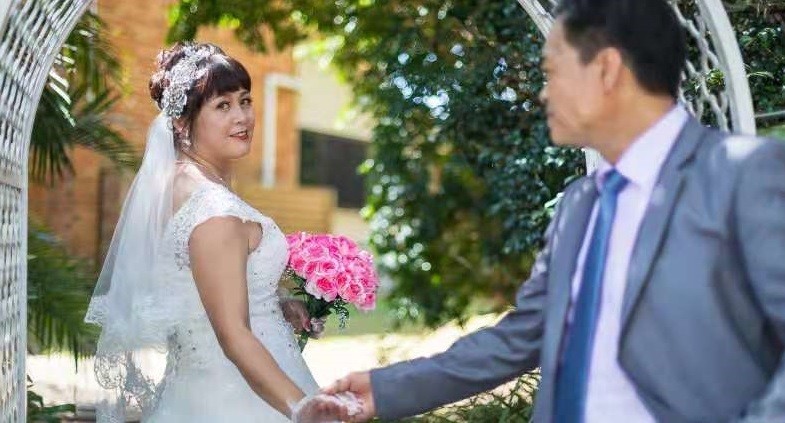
x,y
320,408
295,312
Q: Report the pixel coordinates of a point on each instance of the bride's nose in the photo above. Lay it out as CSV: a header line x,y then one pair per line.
x,y
239,116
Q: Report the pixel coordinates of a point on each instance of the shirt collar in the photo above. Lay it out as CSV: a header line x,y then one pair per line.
x,y
643,159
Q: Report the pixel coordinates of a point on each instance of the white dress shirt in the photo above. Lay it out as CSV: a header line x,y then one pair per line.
x,y
611,397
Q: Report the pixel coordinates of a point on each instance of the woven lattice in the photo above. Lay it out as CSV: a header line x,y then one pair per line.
x,y
703,82
32,34
12,328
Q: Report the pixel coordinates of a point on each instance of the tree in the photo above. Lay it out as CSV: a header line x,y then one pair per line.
x,y
772,10
760,28
462,177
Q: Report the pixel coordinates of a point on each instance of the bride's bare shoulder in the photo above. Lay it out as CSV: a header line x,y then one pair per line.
x,y
187,180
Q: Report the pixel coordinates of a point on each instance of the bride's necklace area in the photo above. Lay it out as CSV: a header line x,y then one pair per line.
x,y
206,169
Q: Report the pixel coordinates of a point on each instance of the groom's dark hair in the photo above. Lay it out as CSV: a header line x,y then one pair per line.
x,y
647,32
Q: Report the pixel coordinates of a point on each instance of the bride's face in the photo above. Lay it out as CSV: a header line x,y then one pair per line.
x,y
223,127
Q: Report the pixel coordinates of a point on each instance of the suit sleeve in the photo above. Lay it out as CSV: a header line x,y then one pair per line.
x,y
760,225
475,363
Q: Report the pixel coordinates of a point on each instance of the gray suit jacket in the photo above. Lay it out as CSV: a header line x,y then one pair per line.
x,y
703,318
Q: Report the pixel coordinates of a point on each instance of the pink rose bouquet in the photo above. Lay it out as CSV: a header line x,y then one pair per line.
x,y
331,272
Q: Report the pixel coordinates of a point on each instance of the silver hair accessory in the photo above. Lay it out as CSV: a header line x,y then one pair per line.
x,y
181,77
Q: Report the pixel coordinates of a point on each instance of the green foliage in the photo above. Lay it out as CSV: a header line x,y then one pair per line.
x,y
775,131
762,40
38,412
461,160
513,405
75,105
246,18
67,117
58,292
772,9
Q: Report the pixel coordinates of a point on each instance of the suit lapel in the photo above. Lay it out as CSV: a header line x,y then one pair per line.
x,y
576,208
658,214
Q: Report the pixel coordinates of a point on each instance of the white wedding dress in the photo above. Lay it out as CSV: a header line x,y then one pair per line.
x,y
200,384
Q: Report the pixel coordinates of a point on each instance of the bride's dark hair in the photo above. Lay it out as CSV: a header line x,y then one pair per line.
x,y
224,74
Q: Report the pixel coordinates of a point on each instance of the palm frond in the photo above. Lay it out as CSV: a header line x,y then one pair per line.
x,y
58,291
87,57
92,130
76,103
50,140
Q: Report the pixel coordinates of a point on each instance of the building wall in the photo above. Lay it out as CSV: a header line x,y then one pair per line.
x,y
326,103
83,209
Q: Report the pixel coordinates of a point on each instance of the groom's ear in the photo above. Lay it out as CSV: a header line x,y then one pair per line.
x,y
611,65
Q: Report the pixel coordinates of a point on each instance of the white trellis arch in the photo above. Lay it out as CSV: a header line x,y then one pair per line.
x,y
31,33
714,49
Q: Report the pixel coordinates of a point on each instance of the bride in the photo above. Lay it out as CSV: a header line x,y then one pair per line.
x,y
193,270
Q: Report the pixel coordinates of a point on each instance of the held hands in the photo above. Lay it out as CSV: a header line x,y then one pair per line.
x,y
295,312
325,408
358,384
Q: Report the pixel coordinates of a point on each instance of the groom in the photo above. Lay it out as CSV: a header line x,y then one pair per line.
x,y
660,294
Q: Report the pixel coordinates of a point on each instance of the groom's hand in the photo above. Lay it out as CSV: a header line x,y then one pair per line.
x,y
358,383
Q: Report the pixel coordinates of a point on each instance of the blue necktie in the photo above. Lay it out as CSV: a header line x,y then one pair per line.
x,y
573,373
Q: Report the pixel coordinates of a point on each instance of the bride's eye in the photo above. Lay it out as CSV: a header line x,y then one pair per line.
x,y
224,105
247,101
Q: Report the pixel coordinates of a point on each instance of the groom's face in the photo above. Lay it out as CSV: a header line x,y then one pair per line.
x,y
573,93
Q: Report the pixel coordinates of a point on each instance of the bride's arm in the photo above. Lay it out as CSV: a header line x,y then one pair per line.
x,y
219,254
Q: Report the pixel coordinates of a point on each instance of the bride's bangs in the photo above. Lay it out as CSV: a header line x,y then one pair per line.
x,y
226,75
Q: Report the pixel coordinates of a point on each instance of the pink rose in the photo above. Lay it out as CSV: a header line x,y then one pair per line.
x,y
297,263
368,302
296,240
333,267
311,270
328,267
323,240
327,288
359,268
365,257
295,255
345,246
352,292
369,284
314,251
342,279
327,242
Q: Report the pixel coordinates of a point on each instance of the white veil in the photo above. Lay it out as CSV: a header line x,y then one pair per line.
x,y
126,302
